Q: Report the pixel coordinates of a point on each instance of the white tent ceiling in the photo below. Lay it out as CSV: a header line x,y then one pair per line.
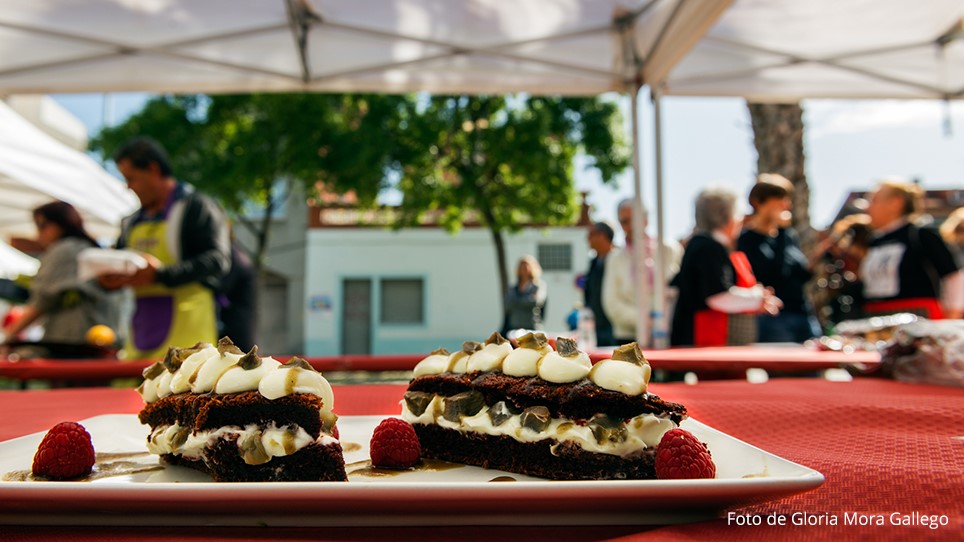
x,y
761,49
36,169
786,50
441,46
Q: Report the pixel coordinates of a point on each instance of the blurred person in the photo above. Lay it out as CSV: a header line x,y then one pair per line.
x,y
525,301
719,297
952,231
778,262
184,237
600,239
619,282
237,301
69,307
838,292
908,268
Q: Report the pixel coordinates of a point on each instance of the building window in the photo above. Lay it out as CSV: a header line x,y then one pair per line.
x,y
403,301
555,256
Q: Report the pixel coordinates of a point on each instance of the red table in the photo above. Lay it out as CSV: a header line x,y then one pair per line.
x,y
883,446
731,361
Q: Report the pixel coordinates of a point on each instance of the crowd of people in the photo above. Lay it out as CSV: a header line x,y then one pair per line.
x,y
746,279
194,287
739,279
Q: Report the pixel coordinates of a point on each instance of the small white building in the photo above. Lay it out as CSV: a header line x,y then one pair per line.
x,y
371,290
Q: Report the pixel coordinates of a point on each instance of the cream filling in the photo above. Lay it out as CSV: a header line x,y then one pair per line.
x,y
643,431
275,441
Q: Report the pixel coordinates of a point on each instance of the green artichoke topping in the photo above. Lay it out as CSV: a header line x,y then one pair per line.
x,y
496,338
173,359
631,353
467,403
250,360
226,346
154,370
299,363
607,429
180,437
535,341
536,418
417,401
566,347
252,450
500,412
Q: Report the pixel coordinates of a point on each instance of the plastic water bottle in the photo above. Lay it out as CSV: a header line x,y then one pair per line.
x,y
586,329
660,338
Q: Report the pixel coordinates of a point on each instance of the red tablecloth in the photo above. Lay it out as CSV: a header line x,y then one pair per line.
x,y
730,360
883,446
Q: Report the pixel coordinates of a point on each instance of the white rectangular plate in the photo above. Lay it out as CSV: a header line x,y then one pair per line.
x,y
463,495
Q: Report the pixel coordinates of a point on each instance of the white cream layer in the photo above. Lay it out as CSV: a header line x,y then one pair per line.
x,y
275,440
614,375
644,431
207,370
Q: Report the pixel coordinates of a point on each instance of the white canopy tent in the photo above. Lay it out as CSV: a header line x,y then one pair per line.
x,y
36,169
13,262
774,50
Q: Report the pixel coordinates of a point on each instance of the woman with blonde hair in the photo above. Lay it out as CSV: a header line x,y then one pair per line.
x,y
907,268
525,301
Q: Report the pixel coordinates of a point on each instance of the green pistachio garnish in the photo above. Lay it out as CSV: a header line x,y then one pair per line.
x,y
535,341
440,352
496,338
536,418
500,412
631,353
566,347
467,403
154,370
417,401
470,347
299,363
226,346
607,429
180,437
328,421
252,450
250,360
173,359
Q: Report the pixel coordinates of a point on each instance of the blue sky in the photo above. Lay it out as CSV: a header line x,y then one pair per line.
x,y
708,141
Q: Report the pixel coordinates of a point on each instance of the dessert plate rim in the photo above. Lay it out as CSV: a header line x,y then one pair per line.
x,y
469,495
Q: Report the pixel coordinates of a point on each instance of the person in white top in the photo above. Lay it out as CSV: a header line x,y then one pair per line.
x,y
619,282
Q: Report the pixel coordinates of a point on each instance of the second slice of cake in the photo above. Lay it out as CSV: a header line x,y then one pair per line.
x,y
537,411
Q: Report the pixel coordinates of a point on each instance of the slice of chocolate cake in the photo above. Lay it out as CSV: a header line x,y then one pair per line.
x,y
535,411
241,417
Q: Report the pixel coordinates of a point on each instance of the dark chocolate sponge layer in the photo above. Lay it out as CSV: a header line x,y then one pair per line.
x,y
309,464
569,462
212,411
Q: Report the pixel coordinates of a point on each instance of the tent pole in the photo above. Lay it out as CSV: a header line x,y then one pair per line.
x,y
660,309
642,284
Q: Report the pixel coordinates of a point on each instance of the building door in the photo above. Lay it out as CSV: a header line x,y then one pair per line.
x,y
356,319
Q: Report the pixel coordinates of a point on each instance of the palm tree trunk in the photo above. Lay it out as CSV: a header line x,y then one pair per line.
x,y
778,138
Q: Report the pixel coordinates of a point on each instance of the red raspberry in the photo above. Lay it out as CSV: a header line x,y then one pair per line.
x,y
394,445
334,432
65,452
680,455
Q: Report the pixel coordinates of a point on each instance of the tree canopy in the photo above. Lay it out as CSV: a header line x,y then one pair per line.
x,y
503,161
